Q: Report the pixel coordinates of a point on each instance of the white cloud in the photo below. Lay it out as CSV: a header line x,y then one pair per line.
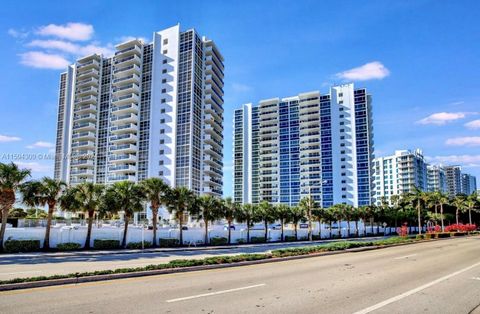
x,y
6,138
72,48
17,34
474,125
464,141
441,118
35,166
240,88
465,160
41,144
370,71
71,31
41,60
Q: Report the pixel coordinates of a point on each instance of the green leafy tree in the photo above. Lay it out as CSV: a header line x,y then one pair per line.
x,y
471,203
85,198
320,215
156,192
124,197
337,213
266,213
180,201
209,211
17,212
11,179
248,213
282,213
229,212
46,192
460,204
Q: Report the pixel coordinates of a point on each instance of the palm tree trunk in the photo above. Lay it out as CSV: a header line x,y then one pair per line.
x,y
125,229
89,230
296,231
357,232
266,231
248,231
339,229
470,216
436,214
281,236
419,218
4,226
330,229
154,221
441,217
180,220
348,228
320,229
310,235
456,215
206,232
229,232
46,241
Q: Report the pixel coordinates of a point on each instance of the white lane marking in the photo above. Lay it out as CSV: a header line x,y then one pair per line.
x,y
22,272
413,291
214,293
406,256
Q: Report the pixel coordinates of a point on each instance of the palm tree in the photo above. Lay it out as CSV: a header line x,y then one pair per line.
x,y
85,197
297,214
266,213
209,210
11,178
420,198
248,213
282,213
443,200
179,202
471,202
362,214
337,213
155,191
320,215
230,211
460,205
40,193
308,204
124,197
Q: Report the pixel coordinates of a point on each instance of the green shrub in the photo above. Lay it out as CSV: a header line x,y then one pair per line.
x,y
429,236
138,245
106,244
316,237
290,238
69,246
169,242
241,241
17,246
218,241
419,236
257,240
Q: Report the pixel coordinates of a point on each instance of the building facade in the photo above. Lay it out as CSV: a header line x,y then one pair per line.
x,y
469,184
454,180
151,110
310,144
437,180
398,174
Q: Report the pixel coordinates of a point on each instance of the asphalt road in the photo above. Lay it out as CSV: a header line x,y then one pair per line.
x,y
39,264
433,277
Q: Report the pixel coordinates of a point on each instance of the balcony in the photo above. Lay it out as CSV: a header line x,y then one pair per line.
x,y
126,118
88,65
84,136
211,100
212,170
128,51
125,89
122,178
82,162
127,70
123,148
122,168
84,144
124,138
209,129
133,78
87,82
122,62
128,128
85,126
123,109
124,158
88,117
126,99
76,180
213,152
90,90
86,100
82,172
87,73
85,109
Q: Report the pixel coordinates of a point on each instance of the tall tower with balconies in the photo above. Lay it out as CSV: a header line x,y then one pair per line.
x,y
150,110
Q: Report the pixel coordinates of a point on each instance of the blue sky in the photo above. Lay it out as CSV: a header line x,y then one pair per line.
x,y
419,60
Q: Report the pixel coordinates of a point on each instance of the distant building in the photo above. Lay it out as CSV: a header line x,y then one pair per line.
x,y
436,179
399,173
454,180
309,144
469,184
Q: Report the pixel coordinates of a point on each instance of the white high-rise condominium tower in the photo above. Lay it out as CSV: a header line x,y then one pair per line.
x,y
311,144
152,110
399,173
437,179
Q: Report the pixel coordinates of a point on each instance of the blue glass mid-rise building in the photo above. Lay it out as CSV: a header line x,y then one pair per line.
x,y
310,144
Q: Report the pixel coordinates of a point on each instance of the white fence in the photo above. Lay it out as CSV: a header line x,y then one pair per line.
x,y
77,234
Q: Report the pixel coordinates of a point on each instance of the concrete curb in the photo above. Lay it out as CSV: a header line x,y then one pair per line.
x,y
77,280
